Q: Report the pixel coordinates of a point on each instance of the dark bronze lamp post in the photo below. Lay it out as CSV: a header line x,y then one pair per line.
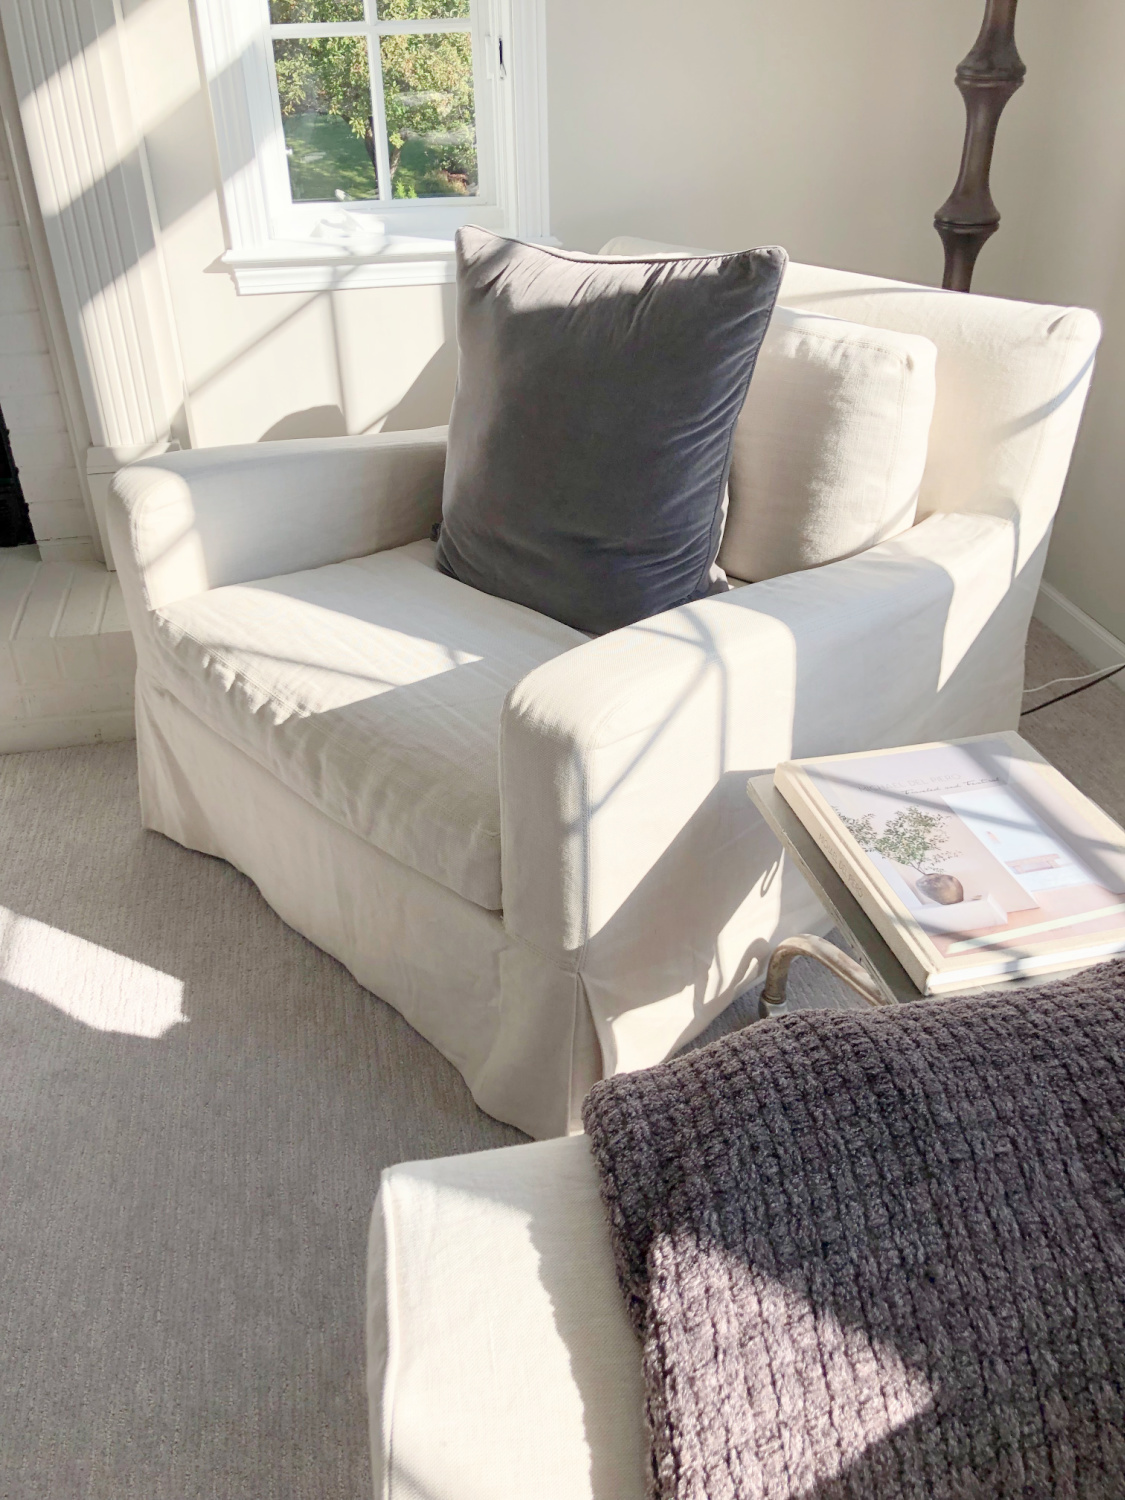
x,y
987,78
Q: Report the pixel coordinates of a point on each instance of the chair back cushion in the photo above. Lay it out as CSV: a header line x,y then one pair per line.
x,y
831,445
1011,382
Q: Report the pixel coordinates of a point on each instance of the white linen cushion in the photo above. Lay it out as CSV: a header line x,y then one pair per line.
x,y
831,445
373,689
500,1362
830,449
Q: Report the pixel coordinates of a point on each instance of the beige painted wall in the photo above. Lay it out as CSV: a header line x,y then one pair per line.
x,y
831,128
828,128
1067,244
726,131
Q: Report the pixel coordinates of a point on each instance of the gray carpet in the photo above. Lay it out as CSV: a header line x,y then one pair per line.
x,y
184,1202
1085,735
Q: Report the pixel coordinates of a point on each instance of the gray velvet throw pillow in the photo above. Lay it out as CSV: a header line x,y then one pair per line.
x,y
591,430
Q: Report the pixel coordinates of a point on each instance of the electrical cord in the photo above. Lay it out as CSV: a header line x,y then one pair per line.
x,y
1101,677
1054,682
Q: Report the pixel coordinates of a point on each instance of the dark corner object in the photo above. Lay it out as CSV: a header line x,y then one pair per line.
x,y
987,78
15,523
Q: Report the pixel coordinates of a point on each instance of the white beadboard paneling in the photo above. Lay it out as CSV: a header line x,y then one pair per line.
x,y
66,656
65,676
36,663
17,291
117,654
17,574
84,608
29,380
29,298
12,251
66,699
22,333
50,485
54,734
71,549
26,375
115,621
79,661
43,605
58,520
89,165
38,413
38,451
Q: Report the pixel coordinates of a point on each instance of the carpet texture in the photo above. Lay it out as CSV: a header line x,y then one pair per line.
x,y
195,1106
881,1254
1085,735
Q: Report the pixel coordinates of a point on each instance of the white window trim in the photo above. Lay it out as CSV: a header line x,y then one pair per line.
x,y
273,247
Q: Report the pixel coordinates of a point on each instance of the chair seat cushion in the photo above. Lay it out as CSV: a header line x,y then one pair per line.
x,y
373,689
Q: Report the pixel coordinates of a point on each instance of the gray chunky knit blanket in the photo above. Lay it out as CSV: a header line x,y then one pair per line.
x,y
881,1253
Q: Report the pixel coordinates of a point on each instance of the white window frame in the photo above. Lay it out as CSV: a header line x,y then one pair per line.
x,y
276,245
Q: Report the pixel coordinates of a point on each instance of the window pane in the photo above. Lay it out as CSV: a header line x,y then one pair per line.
x,y
431,127
289,12
421,10
325,92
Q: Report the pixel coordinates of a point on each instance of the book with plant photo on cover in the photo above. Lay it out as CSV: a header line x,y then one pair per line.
x,y
974,858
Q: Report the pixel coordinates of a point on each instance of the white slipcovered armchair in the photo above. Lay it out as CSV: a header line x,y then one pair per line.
x,y
537,846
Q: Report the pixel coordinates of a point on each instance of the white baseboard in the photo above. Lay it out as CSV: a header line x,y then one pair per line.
x,y
1093,642
59,730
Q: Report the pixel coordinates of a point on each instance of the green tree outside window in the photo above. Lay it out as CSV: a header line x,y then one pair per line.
x,y
324,89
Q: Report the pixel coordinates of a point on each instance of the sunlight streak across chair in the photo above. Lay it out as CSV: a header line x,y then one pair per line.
x,y
104,990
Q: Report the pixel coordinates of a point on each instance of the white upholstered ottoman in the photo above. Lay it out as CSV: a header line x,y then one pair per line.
x,y
501,1365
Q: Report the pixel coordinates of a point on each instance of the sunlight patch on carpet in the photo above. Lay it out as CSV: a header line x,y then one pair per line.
x,y
104,990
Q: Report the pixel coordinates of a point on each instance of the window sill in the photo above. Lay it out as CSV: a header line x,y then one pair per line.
x,y
303,266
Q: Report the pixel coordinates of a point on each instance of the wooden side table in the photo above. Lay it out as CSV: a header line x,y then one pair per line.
x,y
880,979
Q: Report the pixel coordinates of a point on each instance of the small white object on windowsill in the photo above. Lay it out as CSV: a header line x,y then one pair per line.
x,y
361,235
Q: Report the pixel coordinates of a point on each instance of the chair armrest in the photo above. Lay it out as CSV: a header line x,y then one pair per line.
x,y
610,751
500,1360
188,522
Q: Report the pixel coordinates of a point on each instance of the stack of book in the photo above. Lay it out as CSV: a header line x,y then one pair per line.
x,y
974,858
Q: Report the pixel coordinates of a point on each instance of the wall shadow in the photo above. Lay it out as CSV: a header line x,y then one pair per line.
x,y
427,402
313,422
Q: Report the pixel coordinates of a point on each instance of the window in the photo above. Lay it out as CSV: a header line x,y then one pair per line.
x,y
355,136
